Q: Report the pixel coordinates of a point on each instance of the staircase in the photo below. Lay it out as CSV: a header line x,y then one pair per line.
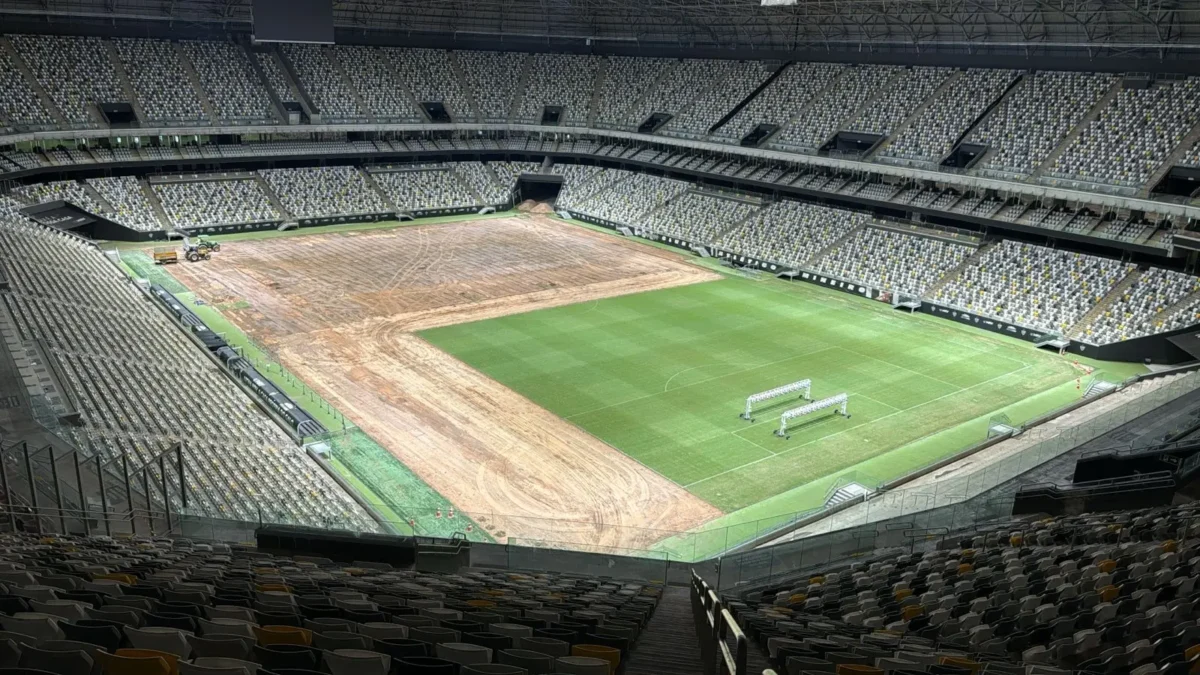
x,y
274,198
720,234
803,109
99,199
349,84
870,100
1171,160
637,103
370,181
1105,302
276,102
189,69
32,81
597,92
126,85
1162,316
297,87
845,493
495,178
832,246
917,113
468,187
514,106
668,645
467,91
155,204
1087,119
1016,84
955,273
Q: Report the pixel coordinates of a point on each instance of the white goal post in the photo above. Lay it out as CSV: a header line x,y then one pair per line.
x,y
837,401
802,386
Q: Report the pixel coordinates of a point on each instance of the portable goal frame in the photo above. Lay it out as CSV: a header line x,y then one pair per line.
x,y
837,401
802,386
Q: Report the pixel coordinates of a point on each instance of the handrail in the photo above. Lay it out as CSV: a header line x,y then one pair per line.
x,y
735,661
714,624
1031,191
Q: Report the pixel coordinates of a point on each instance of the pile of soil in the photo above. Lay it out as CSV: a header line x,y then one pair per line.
x,y
533,206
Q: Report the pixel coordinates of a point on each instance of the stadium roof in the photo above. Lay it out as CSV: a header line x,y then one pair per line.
x,y
808,24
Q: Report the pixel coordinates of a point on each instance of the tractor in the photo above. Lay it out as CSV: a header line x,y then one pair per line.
x,y
214,246
194,252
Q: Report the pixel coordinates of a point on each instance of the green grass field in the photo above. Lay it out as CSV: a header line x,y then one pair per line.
x,y
663,375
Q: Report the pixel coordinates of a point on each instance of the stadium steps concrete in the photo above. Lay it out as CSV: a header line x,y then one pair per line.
x,y
293,81
637,103
95,194
276,102
1087,119
1015,85
272,197
733,227
696,99
349,84
832,246
1171,309
1189,139
467,91
514,106
955,273
126,85
866,105
597,91
916,114
801,113
492,173
155,204
1109,298
370,181
467,185
189,69
32,81
668,644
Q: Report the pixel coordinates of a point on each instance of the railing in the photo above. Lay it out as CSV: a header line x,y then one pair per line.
x,y
716,629
955,503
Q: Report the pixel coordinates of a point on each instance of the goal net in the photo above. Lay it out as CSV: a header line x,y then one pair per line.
x,y
909,301
802,386
837,402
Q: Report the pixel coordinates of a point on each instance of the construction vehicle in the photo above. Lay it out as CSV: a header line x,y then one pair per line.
x,y
165,256
215,246
197,251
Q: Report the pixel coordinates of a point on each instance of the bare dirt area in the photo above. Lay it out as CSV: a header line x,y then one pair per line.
x,y
339,311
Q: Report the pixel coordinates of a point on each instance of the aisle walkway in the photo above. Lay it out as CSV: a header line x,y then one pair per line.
x,y
669,645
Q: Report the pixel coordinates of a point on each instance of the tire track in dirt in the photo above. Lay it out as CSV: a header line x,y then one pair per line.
x,y
520,471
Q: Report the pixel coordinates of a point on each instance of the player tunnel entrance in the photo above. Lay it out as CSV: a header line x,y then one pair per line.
x,y
541,188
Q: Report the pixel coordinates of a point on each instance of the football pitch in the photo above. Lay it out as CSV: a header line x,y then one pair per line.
x,y
663,376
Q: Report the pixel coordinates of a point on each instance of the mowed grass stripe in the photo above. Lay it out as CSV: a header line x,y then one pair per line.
x,y
662,376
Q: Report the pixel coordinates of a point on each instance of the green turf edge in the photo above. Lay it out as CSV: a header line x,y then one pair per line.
x,y
773,513
380,479
320,229
776,511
